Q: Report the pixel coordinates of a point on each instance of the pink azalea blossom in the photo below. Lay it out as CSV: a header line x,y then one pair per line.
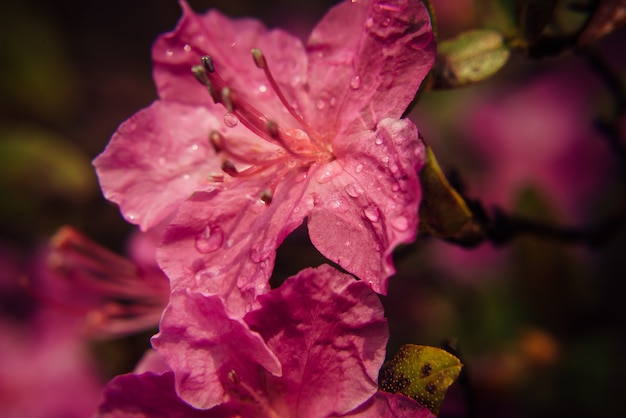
x,y
328,332
287,132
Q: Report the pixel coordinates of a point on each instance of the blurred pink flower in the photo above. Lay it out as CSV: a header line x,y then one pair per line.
x,y
327,330
116,295
540,135
46,370
318,136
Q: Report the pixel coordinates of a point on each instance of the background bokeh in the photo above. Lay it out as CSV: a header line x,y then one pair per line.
x,y
538,323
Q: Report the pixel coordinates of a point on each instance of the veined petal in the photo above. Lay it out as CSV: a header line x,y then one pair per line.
x,y
224,243
370,56
371,205
329,332
156,160
229,42
203,345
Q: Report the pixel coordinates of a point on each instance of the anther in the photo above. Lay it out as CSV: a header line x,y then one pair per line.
x,y
216,140
272,129
259,58
200,73
207,63
233,377
266,197
227,98
229,168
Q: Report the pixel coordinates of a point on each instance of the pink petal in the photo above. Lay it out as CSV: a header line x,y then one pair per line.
x,y
156,160
370,204
228,42
370,58
225,243
385,404
329,333
203,345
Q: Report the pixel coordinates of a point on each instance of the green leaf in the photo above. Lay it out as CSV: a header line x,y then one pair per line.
x,y
443,212
422,373
469,58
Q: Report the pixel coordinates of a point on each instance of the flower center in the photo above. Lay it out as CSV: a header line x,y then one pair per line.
x,y
301,146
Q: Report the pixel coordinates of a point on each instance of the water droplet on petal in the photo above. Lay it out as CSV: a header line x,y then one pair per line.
x,y
338,204
393,168
400,223
210,239
169,53
332,102
131,217
327,172
320,105
354,190
187,48
186,177
369,22
378,140
378,248
262,88
395,187
386,22
371,213
385,160
355,83
359,168
230,119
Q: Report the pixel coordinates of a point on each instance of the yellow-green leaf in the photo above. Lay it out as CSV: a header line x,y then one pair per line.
x,y
422,373
443,212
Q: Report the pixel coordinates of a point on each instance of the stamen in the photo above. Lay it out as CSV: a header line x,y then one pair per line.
x,y
228,97
217,140
266,197
207,63
229,168
261,62
201,75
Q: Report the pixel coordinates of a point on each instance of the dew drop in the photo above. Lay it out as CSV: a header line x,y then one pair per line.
x,y
131,217
186,177
327,172
169,53
369,22
187,48
262,88
332,102
194,147
386,22
354,190
378,248
355,83
320,105
371,213
338,204
230,119
400,223
359,168
210,239
395,187
393,168
378,140
385,160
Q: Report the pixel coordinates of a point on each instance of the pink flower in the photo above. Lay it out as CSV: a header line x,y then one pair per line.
x,y
295,131
116,295
328,332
